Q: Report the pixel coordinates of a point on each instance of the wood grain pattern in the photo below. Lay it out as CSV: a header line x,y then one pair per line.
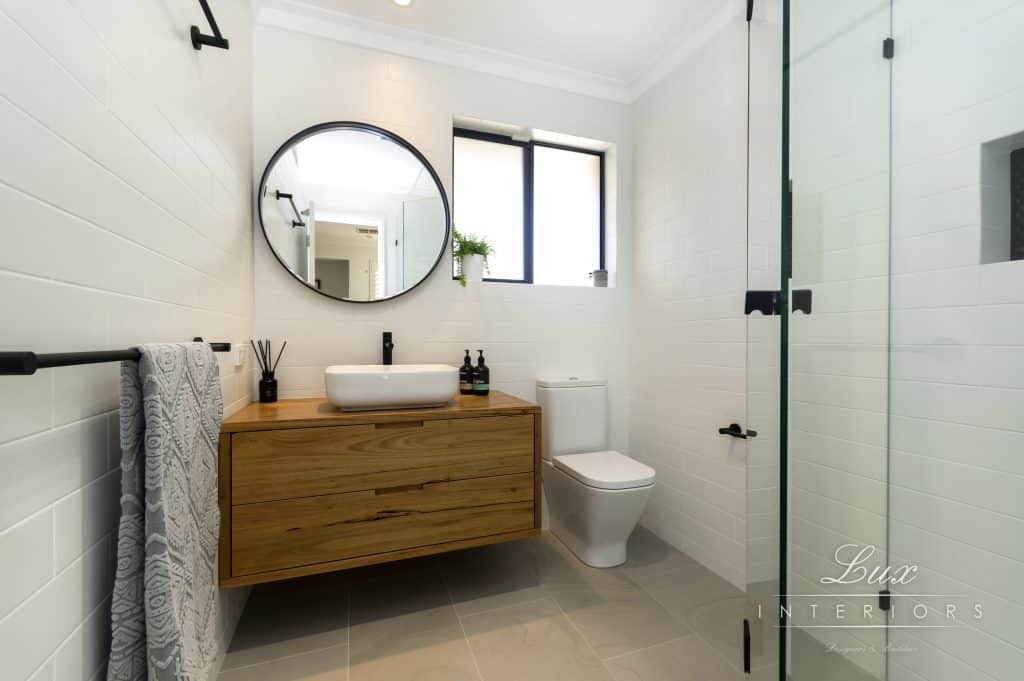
x,y
374,559
224,501
317,412
302,462
538,470
308,531
306,488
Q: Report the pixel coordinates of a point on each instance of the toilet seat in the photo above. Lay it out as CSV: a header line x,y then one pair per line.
x,y
606,470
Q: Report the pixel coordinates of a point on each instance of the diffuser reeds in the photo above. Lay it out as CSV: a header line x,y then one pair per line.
x,y
265,356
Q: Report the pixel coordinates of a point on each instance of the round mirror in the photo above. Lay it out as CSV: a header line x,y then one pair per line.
x,y
354,212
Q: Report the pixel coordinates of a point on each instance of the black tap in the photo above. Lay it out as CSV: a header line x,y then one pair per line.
x,y
386,347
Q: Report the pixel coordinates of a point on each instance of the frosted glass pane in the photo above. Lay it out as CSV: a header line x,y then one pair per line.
x,y
567,216
489,201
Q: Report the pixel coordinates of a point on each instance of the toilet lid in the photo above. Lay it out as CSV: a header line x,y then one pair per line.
x,y
606,470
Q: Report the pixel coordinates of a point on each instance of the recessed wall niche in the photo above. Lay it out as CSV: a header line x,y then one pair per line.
x,y
1002,199
1017,205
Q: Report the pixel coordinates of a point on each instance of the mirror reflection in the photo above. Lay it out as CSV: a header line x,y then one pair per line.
x,y
354,212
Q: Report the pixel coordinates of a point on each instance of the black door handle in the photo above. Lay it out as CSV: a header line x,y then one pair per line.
x,y
734,430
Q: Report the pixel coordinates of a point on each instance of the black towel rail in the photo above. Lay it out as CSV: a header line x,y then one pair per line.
x,y
297,222
26,363
199,38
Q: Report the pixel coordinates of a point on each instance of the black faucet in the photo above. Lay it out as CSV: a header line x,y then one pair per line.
x,y
386,347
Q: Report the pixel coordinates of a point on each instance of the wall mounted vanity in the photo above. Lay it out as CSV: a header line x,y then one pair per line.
x,y
306,488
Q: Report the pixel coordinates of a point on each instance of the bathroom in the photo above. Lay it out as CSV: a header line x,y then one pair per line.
x,y
760,263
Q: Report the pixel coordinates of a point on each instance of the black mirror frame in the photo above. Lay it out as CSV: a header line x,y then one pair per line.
x,y
366,127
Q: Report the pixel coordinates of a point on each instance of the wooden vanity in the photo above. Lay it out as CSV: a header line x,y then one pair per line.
x,y
306,488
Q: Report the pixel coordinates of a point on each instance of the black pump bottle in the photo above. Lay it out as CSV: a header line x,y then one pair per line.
x,y
481,377
466,375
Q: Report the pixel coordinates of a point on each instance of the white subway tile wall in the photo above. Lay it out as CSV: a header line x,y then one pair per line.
x,y
957,400
124,169
688,350
526,331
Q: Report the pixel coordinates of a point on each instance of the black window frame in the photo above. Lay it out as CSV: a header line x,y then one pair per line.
x,y
528,191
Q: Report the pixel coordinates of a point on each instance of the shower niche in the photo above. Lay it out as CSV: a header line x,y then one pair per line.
x,y
1002,199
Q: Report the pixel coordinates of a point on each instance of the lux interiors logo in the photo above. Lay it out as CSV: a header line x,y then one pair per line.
x,y
852,600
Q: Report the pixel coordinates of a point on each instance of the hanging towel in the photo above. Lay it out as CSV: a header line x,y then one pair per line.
x,y
164,606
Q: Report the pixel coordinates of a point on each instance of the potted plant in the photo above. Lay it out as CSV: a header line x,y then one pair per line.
x,y
472,252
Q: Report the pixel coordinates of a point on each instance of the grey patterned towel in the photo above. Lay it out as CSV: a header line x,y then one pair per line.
x,y
164,607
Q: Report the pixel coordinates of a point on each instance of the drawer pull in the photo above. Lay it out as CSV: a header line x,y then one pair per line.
x,y
400,488
402,424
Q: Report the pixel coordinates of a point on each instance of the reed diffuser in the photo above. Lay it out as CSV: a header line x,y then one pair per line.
x,y
268,365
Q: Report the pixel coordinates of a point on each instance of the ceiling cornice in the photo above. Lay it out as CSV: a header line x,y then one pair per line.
x,y
303,17
664,67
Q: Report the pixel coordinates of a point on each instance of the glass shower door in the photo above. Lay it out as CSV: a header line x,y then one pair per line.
x,y
763,373
839,144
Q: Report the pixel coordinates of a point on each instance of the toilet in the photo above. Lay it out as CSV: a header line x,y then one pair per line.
x,y
595,496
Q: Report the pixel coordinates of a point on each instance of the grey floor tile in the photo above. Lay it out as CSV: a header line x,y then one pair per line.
x,y
721,625
427,656
288,618
684,591
532,641
811,661
397,593
330,664
523,610
555,564
615,615
491,577
396,569
648,557
404,628
685,659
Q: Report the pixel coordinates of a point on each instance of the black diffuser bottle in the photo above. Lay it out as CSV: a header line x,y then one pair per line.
x,y
481,377
268,365
466,375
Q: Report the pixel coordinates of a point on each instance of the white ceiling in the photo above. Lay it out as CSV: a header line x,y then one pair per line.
x,y
608,48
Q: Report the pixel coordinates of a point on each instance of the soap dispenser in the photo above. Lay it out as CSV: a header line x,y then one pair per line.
x,y
481,377
466,375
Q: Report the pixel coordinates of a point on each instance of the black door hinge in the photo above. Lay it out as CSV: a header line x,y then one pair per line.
x,y
767,303
888,48
802,299
746,646
885,600
771,303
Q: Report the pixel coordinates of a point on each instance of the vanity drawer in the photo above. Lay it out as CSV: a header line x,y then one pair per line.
x,y
296,532
287,464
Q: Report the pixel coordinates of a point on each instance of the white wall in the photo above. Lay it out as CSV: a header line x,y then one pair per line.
x,y
525,330
957,407
125,194
688,334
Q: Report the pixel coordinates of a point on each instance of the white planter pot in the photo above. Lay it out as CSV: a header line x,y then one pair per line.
x,y
473,268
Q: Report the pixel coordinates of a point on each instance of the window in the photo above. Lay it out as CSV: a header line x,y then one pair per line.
x,y
541,206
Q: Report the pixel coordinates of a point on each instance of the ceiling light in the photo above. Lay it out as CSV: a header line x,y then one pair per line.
x,y
402,3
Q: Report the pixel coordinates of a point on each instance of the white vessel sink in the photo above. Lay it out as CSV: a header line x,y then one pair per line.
x,y
398,386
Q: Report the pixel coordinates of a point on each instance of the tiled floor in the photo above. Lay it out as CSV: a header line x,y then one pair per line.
x,y
510,612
